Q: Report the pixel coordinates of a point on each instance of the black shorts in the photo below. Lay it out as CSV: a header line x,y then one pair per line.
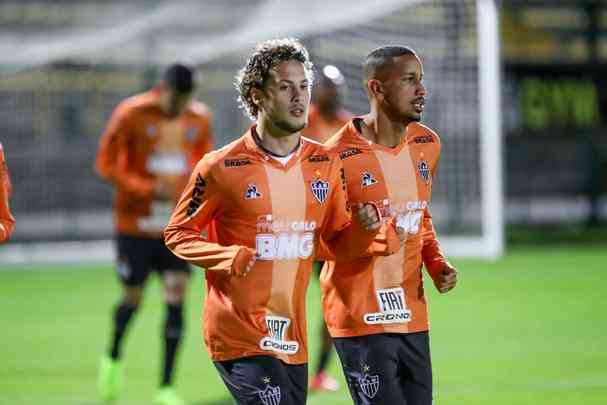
x,y
138,257
387,368
264,380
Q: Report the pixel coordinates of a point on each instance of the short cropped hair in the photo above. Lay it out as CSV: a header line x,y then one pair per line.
x,y
179,78
256,70
381,59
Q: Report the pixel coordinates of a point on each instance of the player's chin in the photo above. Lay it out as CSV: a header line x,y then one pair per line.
x,y
299,125
299,122
292,126
409,116
415,116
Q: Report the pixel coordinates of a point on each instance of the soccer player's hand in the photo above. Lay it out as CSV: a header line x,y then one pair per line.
x,y
243,262
402,234
447,279
368,215
250,265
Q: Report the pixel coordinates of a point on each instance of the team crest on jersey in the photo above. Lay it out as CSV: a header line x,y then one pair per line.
x,y
424,170
320,189
368,179
190,134
369,384
151,130
252,192
270,395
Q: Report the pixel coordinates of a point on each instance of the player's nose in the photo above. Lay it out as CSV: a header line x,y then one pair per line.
x,y
297,94
421,89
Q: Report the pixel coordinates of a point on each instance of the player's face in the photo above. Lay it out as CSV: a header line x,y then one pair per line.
x,y
286,97
174,103
404,92
327,96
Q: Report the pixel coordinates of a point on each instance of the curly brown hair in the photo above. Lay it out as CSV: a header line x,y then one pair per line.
x,y
256,70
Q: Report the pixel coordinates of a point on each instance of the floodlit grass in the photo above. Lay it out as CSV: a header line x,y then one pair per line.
x,y
528,329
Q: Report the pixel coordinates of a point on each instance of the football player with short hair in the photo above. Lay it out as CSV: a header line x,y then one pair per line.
x,y
375,307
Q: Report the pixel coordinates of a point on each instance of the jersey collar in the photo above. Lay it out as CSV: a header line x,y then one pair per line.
x,y
253,145
356,127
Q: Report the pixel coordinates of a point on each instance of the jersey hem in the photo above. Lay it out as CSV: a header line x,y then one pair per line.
x,y
345,333
227,357
138,234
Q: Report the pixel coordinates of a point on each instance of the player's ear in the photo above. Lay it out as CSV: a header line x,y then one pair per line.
x,y
375,88
257,96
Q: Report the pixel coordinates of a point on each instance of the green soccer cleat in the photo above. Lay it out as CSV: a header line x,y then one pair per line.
x,y
109,380
168,396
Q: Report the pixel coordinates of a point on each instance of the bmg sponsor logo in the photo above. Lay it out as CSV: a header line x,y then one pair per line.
x,y
284,240
409,215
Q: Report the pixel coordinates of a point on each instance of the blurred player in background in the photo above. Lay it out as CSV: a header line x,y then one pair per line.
x,y
326,117
148,150
375,308
270,200
6,219
327,114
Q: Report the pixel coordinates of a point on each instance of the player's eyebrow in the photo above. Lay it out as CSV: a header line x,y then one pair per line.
x,y
291,81
414,74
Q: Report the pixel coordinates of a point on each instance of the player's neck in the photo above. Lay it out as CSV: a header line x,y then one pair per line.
x,y
329,114
276,140
380,129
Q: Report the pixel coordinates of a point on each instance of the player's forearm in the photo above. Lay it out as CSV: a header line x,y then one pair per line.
x,y
107,166
434,259
432,255
6,219
6,228
129,182
7,223
188,245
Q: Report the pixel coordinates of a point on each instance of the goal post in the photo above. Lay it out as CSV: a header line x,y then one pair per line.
x,y
491,128
490,244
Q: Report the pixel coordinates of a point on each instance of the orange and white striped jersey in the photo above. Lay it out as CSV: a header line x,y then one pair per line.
x,y
319,128
243,199
373,295
6,219
140,147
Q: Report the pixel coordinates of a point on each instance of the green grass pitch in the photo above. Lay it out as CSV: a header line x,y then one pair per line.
x,y
529,329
